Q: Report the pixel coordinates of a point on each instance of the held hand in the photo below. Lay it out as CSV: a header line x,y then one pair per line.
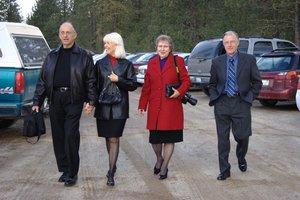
x,y
35,108
175,94
113,77
141,112
88,108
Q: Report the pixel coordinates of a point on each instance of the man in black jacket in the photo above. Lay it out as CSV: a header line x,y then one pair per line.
x,y
68,80
234,84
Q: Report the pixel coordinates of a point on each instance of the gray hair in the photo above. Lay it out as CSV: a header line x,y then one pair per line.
x,y
231,33
164,38
68,23
117,39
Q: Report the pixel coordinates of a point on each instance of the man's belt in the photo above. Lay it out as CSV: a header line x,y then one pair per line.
x,y
62,89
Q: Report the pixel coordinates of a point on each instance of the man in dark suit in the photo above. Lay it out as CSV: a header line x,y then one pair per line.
x,y
234,84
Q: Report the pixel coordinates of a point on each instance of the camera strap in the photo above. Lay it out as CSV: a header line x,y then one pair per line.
x,y
177,69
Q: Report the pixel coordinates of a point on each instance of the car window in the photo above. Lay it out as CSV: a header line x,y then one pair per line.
x,y
1,54
145,58
134,57
285,45
33,51
205,49
244,45
186,60
262,47
275,63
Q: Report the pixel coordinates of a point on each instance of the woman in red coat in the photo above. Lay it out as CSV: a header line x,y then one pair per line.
x,y
165,114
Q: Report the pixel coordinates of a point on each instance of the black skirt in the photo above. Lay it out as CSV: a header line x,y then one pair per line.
x,y
169,136
110,128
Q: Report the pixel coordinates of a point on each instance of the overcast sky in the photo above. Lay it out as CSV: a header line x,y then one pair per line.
x,y
26,7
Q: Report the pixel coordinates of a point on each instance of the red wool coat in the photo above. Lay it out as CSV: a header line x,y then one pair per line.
x,y
163,113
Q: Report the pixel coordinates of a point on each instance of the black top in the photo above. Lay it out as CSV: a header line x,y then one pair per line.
x,y
62,75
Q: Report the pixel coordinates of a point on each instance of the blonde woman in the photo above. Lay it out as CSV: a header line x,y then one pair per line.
x,y
111,116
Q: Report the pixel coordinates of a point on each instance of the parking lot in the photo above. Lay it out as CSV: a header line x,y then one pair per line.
x,y
29,171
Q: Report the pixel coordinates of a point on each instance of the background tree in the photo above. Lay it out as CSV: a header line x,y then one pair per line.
x,y
10,11
297,22
47,16
187,22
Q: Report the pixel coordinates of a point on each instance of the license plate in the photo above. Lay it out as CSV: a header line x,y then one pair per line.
x,y
265,82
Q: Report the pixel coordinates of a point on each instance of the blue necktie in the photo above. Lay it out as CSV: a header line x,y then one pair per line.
x,y
231,79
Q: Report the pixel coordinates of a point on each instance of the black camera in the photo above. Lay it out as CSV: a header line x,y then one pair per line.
x,y
188,98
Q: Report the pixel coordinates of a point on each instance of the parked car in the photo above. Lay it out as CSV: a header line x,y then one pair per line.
x,y
203,53
279,71
143,68
143,60
298,95
133,57
97,57
23,49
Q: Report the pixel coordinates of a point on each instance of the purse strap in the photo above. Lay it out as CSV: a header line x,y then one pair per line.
x,y
177,69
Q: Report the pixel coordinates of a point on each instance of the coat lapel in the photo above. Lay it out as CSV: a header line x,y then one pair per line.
x,y
156,64
107,63
240,64
223,66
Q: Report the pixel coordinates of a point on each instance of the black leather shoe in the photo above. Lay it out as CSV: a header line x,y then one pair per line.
x,y
110,179
243,166
162,177
63,177
114,171
70,181
223,176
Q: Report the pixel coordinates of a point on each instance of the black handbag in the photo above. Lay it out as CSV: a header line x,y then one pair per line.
x,y
34,126
111,94
169,92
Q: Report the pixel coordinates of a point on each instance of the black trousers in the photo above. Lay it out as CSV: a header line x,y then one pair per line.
x,y
232,113
64,118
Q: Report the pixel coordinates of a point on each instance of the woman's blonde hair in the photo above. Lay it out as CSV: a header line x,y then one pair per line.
x,y
116,39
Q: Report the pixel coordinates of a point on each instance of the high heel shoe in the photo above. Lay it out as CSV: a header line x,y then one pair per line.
x,y
156,170
162,177
113,171
110,179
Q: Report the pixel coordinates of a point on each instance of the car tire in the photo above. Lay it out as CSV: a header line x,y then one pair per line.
x,y
5,123
268,102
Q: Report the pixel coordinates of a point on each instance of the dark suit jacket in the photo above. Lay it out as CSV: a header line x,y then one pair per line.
x,y
248,78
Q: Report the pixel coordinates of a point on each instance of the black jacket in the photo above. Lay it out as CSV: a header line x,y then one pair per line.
x,y
127,82
248,78
83,77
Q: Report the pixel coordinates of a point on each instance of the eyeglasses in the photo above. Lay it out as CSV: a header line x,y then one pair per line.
x,y
163,46
66,33
230,43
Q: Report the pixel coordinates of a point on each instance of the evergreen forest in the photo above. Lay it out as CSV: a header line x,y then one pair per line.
x,y
141,21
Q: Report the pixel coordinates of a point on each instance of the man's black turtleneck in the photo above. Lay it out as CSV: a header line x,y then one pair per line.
x,y
62,75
